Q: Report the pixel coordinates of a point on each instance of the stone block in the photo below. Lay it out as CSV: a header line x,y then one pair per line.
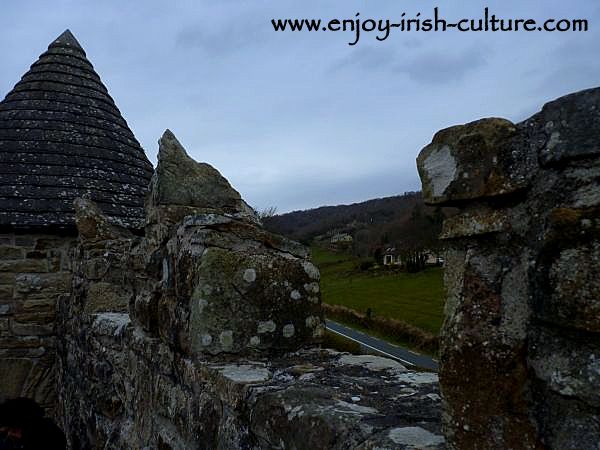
x,y
567,128
55,264
93,225
10,252
565,422
45,243
110,324
478,160
478,395
249,300
6,293
24,266
475,223
40,316
30,353
25,283
35,254
568,366
7,278
31,329
569,226
95,268
107,297
41,285
568,289
331,408
41,303
573,297
25,343
25,240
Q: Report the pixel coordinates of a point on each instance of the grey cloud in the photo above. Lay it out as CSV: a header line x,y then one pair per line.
x,y
442,66
295,194
574,78
222,40
572,66
432,67
242,96
575,48
367,58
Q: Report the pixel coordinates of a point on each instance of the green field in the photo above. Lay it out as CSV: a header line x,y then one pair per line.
x,y
414,298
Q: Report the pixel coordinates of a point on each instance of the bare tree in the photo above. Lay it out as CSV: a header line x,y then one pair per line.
x,y
267,212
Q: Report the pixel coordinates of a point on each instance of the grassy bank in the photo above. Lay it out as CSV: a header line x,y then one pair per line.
x,y
392,330
404,307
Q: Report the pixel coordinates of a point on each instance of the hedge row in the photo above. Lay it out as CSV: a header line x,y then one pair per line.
x,y
393,328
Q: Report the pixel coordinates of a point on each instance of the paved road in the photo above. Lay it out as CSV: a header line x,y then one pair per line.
x,y
403,355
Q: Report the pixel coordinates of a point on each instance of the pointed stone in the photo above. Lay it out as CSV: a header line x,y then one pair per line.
x,y
93,225
181,181
67,40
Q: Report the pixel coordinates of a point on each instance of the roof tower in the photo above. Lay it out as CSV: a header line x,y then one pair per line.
x,y
63,137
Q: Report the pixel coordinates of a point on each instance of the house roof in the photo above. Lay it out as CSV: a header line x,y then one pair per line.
x,y
63,137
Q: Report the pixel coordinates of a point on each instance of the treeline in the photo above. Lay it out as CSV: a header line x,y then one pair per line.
x,y
306,225
401,222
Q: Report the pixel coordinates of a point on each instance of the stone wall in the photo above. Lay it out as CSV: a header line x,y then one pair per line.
x,y
520,347
35,271
204,334
124,388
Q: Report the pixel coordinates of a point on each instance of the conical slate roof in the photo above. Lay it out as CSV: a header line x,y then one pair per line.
x,y
63,137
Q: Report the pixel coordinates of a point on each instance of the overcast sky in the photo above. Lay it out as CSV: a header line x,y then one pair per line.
x,y
300,120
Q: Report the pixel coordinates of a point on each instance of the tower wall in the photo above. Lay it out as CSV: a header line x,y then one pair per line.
x,y
35,271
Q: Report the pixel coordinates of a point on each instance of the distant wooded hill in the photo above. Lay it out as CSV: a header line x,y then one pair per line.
x,y
402,221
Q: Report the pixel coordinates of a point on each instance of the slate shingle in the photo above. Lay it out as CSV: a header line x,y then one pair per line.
x,y
63,137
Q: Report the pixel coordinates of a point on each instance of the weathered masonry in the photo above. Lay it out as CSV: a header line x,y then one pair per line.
x,y
520,362
202,333
149,308
61,137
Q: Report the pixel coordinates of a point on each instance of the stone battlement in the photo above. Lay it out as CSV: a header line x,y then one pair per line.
x,y
204,333
180,323
520,349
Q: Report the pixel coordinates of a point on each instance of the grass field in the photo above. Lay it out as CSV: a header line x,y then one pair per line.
x,y
416,298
